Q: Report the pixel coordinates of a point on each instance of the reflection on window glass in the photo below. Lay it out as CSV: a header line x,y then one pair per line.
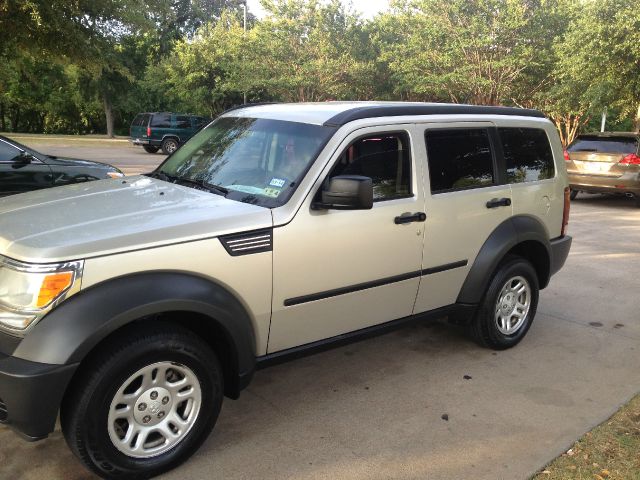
x,y
594,143
459,159
385,158
527,154
260,161
183,122
161,120
8,152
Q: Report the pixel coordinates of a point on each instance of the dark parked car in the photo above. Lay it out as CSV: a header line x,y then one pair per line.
x,y
164,130
23,169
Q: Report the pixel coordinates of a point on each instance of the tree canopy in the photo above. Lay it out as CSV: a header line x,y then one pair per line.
x,y
80,66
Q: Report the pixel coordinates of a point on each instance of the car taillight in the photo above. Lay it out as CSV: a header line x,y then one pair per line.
x,y
148,131
566,156
565,212
631,159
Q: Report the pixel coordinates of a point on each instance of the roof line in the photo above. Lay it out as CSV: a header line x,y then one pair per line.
x,y
370,111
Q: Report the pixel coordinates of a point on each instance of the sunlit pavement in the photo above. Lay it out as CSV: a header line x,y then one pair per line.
x,y
374,409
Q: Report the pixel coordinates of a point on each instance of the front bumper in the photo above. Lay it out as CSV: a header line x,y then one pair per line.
x,y
559,252
31,394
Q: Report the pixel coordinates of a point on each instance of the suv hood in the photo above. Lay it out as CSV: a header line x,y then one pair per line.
x,y
109,216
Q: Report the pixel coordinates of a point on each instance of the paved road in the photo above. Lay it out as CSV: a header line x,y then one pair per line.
x,y
373,410
130,159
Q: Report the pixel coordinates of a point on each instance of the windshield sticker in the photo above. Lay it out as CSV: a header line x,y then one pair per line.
x,y
272,192
277,182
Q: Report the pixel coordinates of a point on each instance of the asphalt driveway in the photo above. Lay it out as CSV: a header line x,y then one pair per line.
x,y
424,402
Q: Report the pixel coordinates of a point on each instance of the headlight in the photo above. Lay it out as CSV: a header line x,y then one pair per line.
x,y
29,291
115,174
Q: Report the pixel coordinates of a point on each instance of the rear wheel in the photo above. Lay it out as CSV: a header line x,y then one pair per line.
x,y
169,145
150,148
574,194
144,404
508,308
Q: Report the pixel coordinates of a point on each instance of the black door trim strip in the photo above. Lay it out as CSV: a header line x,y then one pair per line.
x,y
289,302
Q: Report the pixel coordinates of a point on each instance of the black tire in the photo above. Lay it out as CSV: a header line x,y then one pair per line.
x,y
484,327
169,145
150,148
85,410
573,194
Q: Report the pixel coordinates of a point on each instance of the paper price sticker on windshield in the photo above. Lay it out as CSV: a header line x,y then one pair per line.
x,y
272,192
277,182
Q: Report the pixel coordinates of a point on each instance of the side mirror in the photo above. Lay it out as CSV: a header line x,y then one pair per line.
x,y
22,159
347,192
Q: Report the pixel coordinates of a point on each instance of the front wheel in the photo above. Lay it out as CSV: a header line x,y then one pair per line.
x,y
144,404
508,308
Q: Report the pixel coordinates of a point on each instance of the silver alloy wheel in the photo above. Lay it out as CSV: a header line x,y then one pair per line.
x,y
513,305
171,146
154,409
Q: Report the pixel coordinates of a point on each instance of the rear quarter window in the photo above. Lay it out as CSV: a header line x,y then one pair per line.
x,y
459,159
527,154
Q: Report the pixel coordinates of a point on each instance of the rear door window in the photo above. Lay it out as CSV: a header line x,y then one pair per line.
x,y
161,120
586,143
527,154
459,159
183,121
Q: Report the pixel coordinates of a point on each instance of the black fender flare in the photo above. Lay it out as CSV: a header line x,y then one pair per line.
x,y
70,331
507,235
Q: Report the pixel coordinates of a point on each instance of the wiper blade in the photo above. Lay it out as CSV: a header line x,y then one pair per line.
x,y
161,176
202,185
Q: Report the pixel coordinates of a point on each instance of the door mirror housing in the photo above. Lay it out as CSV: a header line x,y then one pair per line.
x,y
347,192
23,158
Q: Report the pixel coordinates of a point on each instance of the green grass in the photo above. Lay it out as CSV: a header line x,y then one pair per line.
x,y
610,451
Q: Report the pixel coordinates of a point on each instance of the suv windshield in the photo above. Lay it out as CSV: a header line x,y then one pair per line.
x,y
258,161
594,143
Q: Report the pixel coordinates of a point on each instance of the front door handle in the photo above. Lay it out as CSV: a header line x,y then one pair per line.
x,y
498,202
409,217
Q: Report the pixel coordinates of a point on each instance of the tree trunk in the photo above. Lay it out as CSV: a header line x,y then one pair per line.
x,y
636,121
3,122
108,113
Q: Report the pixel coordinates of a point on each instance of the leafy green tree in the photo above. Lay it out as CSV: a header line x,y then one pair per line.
x,y
481,51
602,50
306,50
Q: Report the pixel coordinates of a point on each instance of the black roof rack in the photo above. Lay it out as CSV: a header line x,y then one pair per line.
x,y
395,110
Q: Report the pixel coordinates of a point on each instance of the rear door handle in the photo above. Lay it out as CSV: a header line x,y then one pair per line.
x,y
408,218
498,202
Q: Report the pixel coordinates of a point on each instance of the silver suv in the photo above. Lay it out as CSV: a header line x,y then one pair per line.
x,y
132,306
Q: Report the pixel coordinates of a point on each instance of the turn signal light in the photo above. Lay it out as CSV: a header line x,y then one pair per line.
x,y
52,286
631,159
148,131
566,156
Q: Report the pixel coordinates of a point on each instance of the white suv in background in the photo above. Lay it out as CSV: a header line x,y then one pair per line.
x,y
132,306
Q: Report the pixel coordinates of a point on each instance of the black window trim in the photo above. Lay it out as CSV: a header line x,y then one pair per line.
x,y
497,162
411,193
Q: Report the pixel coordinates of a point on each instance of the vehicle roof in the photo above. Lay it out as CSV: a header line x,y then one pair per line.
x,y
335,114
